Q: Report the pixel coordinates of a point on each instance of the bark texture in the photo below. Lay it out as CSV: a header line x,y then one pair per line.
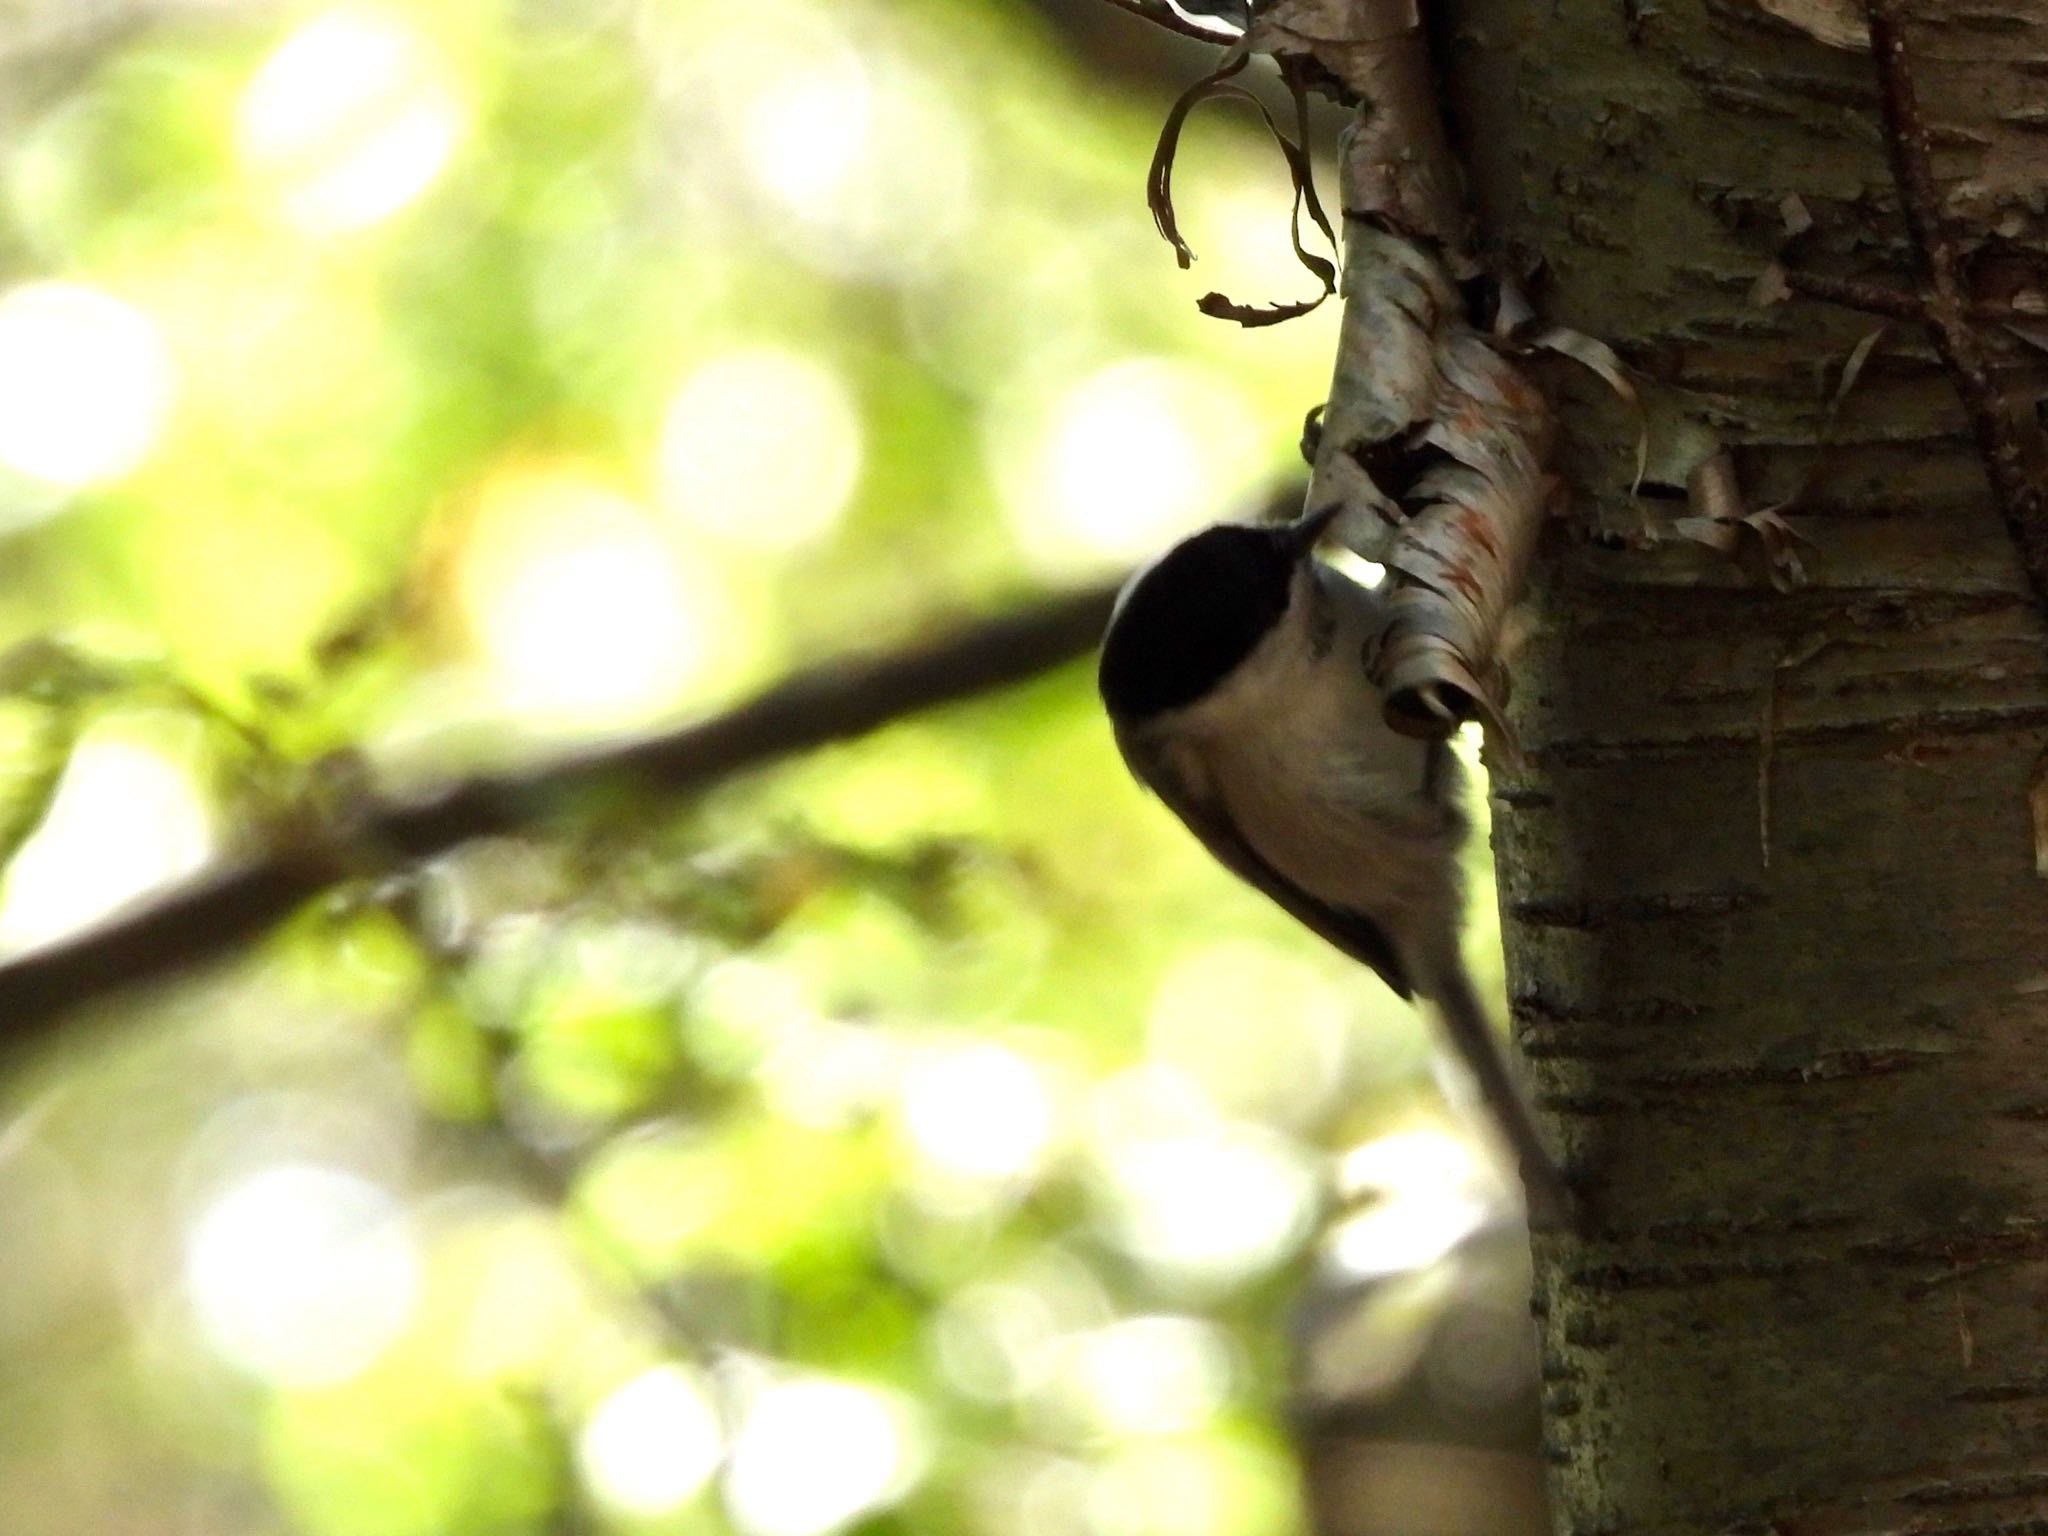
x,y
1777,950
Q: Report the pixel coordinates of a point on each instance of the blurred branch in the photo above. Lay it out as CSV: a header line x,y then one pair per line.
x,y
546,1174
48,47
213,915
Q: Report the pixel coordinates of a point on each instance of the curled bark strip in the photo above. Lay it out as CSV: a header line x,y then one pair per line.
x,y
1601,360
1722,521
1159,178
1385,382
1159,188
1433,444
1852,370
1457,564
1398,162
1432,447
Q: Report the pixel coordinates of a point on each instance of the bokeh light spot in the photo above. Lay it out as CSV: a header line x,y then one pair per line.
x,y
761,447
1402,1235
584,611
528,1299
1202,1202
992,1339
1423,1163
979,1111
1210,1209
1151,1375
1188,1487
814,1454
351,119
844,143
302,1275
126,820
652,1443
1431,1190
1130,457
806,130
86,384
1262,1031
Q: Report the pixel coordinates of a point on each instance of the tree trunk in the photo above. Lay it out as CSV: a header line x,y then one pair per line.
x,y
1777,950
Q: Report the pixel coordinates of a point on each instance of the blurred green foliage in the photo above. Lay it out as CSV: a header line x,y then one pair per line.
x,y
922,1137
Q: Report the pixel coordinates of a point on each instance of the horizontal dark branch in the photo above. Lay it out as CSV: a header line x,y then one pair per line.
x,y
235,905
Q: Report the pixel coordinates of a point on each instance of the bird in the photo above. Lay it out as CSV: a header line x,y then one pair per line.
x,y
1235,674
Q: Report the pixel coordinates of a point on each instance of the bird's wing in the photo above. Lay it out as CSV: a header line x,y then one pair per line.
x,y
1191,799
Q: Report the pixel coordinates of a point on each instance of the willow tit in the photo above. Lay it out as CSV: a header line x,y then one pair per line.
x,y
1234,674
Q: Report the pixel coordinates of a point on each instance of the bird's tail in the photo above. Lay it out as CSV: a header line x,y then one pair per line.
x,y
1552,1203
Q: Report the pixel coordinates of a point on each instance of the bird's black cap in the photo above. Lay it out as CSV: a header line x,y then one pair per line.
x,y
1187,621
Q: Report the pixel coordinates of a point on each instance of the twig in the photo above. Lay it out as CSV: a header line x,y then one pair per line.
x,y
1897,303
547,1176
2012,451
1852,293
216,913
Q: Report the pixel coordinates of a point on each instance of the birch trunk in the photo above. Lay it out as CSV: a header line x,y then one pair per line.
x,y
1777,950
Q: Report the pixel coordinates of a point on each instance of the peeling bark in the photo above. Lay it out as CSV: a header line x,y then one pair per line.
x,y
1777,950
1433,446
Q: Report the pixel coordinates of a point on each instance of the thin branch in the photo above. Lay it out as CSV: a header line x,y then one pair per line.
x,y
233,906
1897,303
545,1174
1851,293
1908,146
2012,450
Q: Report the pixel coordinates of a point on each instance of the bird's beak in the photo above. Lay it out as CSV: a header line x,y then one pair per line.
x,y
1305,532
